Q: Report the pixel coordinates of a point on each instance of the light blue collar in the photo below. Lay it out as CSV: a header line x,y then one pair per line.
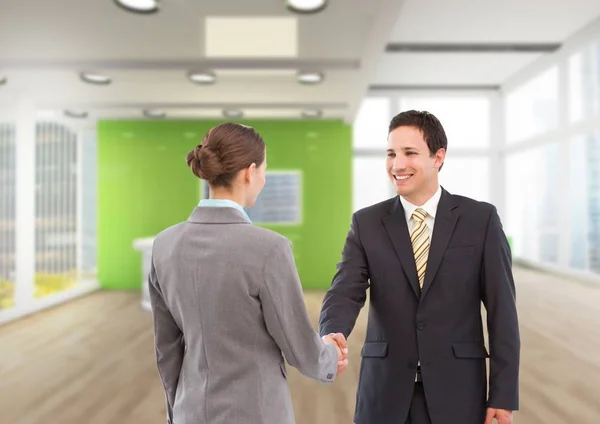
x,y
223,203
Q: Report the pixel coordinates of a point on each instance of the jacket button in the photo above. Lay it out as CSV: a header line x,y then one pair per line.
x,y
420,326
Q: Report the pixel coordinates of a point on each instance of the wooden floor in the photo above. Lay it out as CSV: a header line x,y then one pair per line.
x,y
91,362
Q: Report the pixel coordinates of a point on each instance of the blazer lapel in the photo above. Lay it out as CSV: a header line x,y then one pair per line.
x,y
397,229
445,221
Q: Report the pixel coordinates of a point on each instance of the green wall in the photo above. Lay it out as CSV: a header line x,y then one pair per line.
x,y
145,186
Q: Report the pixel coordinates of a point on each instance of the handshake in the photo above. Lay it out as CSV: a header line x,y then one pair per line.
x,y
339,341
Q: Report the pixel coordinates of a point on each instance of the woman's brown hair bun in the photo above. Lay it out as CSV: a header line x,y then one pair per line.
x,y
204,163
225,150
193,161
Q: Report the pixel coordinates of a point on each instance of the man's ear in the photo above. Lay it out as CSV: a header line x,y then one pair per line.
x,y
440,157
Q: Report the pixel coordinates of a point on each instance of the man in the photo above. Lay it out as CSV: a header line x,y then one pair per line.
x,y
429,258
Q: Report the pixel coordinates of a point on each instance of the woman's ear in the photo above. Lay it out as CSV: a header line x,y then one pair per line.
x,y
250,172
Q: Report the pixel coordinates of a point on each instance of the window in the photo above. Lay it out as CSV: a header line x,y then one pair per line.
x,y
466,120
55,209
7,215
88,240
467,176
584,83
533,108
585,202
279,202
371,124
532,221
370,182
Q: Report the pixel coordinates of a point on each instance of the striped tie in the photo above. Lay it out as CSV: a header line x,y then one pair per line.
x,y
419,238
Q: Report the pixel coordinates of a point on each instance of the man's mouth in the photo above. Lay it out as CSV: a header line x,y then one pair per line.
x,y
402,177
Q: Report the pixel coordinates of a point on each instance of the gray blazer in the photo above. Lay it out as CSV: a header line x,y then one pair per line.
x,y
227,302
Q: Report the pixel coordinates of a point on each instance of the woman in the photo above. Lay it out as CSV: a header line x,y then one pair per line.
x,y
227,301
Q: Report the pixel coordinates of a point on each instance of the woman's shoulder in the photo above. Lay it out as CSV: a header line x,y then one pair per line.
x,y
263,238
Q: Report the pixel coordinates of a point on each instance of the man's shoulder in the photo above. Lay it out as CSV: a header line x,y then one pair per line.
x,y
472,206
377,210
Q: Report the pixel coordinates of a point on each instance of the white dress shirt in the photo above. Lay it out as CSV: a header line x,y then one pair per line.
x,y
430,207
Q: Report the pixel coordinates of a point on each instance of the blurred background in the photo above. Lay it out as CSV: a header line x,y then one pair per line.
x,y
100,100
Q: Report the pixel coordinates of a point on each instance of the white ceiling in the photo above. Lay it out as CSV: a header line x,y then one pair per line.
x,y
449,69
99,30
476,22
466,21
148,57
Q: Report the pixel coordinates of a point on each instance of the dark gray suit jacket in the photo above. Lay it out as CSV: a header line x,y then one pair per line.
x,y
469,263
227,302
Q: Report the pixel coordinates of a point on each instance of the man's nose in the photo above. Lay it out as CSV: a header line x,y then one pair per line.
x,y
399,163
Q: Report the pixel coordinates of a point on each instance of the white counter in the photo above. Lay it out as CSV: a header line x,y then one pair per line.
x,y
144,245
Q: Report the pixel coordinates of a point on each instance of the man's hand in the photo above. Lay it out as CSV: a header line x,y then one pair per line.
x,y
341,345
502,416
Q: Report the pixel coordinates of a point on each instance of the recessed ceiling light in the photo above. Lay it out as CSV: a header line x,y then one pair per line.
x,y
312,113
233,113
154,114
139,6
3,80
306,6
306,77
95,78
76,114
206,77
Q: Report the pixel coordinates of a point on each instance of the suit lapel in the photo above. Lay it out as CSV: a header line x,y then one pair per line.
x,y
445,221
397,229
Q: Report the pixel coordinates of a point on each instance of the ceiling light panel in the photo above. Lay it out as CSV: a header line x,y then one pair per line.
x,y
240,37
306,77
95,78
154,114
312,113
306,6
202,77
76,114
233,113
139,6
